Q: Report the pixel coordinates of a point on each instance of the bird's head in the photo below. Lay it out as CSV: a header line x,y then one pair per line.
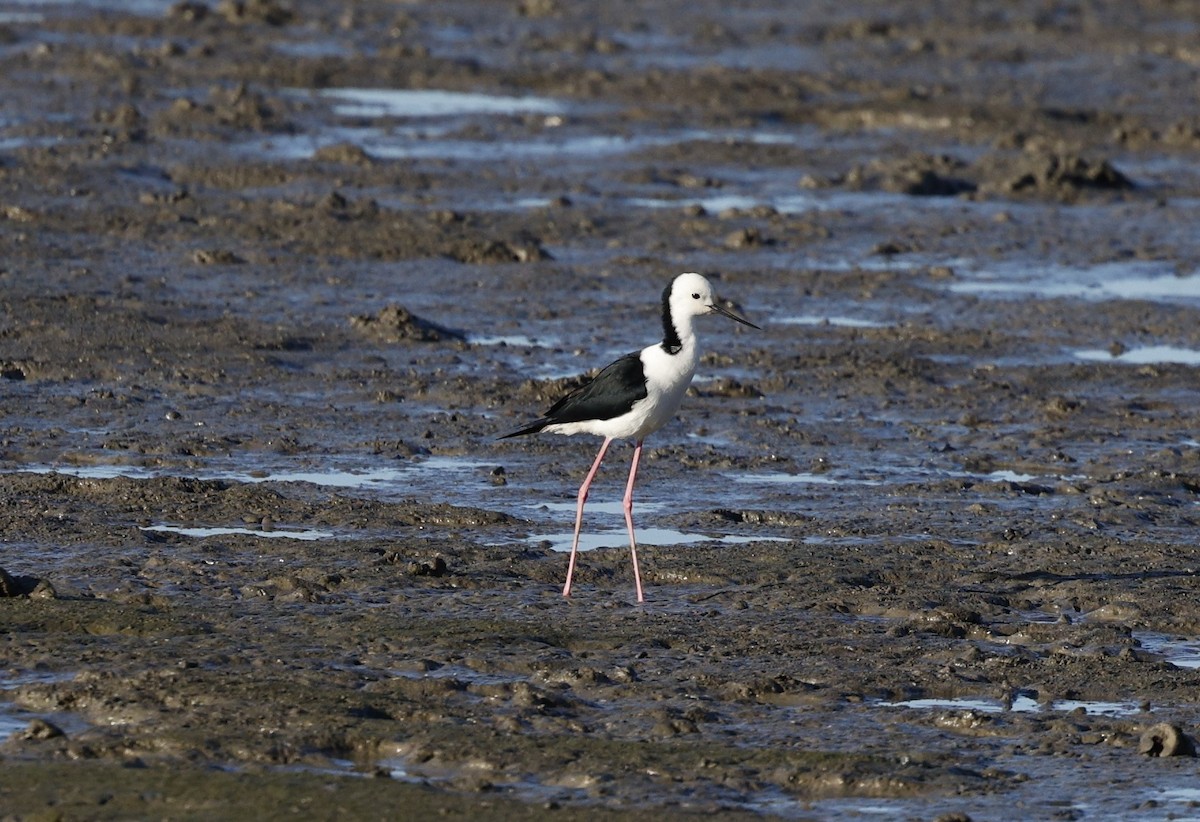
x,y
691,295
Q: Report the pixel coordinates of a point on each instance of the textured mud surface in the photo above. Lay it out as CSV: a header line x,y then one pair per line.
x,y
924,546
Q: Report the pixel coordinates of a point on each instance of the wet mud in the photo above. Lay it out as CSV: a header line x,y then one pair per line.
x,y
276,275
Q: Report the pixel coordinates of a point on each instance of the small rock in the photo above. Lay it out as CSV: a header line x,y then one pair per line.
x,y
1165,739
1056,172
8,586
20,586
42,729
43,590
188,12
437,568
746,238
255,11
538,8
395,323
218,256
889,248
344,154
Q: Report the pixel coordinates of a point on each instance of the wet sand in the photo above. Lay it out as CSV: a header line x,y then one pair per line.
x,y
924,547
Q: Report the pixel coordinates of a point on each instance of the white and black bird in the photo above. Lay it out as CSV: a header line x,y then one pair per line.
x,y
635,396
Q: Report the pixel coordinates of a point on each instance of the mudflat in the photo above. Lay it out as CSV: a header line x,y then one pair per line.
x,y
276,275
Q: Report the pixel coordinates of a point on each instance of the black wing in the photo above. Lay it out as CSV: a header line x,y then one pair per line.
x,y
609,394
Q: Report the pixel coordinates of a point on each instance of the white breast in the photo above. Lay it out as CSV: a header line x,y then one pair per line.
x,y
667,379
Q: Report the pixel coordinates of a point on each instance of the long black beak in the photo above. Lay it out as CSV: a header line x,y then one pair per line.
x,y
725,312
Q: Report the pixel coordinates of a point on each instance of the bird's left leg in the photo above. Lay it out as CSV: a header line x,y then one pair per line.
x,y
583,495
637,575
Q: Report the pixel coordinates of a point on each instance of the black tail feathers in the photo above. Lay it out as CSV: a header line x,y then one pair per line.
x,y
532,428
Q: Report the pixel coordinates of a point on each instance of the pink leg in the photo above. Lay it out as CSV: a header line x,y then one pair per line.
x,y
583,492
637,575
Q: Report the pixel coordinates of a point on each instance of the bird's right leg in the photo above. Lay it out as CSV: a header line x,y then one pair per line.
x,y
583,492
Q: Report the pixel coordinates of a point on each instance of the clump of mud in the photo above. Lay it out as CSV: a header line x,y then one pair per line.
x,y
394,323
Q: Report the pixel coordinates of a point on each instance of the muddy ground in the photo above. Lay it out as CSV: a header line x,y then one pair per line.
x,y
924,547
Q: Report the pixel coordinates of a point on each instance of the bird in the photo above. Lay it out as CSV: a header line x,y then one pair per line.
x,y
634,396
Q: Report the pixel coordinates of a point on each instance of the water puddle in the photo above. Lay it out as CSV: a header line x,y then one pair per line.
x,y
1006,476
617,508
145,7
896,475
1178,651
1189,796
310,534
432,139
312,49
516,340
431,144
1020,704
619,538
503,204
1153,281
802,478
15,720
529,789
12,18
141,8
10,143
876,539
819,200
378,102
111,471
789,57
826,320
1147,355
461,673
16,680
356,478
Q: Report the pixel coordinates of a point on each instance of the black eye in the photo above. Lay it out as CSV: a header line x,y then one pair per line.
x,y
695,296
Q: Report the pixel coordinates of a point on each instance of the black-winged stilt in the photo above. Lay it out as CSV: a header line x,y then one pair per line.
x,y
635,396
